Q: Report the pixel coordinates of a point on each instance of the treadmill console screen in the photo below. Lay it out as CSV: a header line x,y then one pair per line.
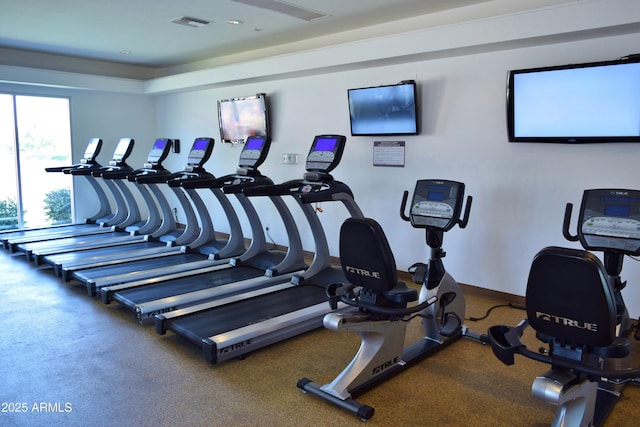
x,y
610,220
92,150
123,150
326,152
200,151
159,152
254,151
436,204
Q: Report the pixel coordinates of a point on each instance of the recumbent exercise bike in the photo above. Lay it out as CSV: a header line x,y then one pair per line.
x,y
575,305
378,304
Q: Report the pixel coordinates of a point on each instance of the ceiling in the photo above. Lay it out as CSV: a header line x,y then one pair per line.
x,y
140,32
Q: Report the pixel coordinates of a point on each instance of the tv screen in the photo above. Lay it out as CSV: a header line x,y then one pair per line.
x,y
592,102
242,117
384,110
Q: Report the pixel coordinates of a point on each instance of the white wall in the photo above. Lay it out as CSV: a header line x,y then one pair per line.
x,y
519,190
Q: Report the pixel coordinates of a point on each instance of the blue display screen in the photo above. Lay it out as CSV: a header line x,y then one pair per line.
x,y
325,144
200,144
254,143
617,210
436,196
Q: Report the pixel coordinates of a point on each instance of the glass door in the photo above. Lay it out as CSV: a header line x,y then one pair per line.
x,y
9,218
35,133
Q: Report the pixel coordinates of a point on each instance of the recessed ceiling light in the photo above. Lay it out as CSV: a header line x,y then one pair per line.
x,y
234,22
125,52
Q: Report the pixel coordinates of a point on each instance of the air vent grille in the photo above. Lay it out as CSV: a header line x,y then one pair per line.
x,y
190,22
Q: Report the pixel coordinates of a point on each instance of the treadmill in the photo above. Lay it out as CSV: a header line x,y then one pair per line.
x,y
127,213
132,229
96,223
164,245
259,267
258,274
207,253
233,326
159,226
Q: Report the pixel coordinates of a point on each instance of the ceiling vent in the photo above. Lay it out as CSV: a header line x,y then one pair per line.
x,y
190,22
285,8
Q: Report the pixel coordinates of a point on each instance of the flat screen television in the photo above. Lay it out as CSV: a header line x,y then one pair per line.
x,y
590,102
384,110
242,117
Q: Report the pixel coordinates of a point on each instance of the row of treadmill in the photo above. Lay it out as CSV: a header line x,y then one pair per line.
x,y
234,294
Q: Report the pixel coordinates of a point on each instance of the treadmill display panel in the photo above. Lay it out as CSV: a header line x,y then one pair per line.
x,y
200,151
93,148
326,152
122,151
436,204
160,150
254,151
610,220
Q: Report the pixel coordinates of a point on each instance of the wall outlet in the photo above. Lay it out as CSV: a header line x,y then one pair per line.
x,y
290,159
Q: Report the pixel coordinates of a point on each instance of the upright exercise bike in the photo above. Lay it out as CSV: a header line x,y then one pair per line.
x,y
575,305
377,303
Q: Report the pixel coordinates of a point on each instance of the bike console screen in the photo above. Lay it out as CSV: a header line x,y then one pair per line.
x,y
610,220
436,204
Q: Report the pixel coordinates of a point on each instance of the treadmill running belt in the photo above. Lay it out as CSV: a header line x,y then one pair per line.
x,y
205,324
135,296
131,269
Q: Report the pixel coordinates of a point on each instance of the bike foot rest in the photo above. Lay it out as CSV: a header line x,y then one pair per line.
x,y
505,342
418,272
452,325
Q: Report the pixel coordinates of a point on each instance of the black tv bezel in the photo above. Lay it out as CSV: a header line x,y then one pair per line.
x,y
561,139
265,112
415,108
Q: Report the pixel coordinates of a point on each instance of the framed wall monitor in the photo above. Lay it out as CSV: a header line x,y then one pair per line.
x,y
576,103
242,117
384,110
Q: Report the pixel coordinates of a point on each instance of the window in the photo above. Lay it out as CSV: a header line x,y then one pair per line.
x,y
35,133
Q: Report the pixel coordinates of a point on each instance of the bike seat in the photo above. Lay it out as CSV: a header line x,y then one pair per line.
x,y
367,261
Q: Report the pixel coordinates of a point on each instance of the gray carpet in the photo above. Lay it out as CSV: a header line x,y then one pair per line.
x,y
73,361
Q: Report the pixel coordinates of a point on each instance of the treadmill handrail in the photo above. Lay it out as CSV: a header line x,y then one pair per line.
x,y
108,171
294,186
84,169
176,179
223,182
255,181
150,176
326,194
117,173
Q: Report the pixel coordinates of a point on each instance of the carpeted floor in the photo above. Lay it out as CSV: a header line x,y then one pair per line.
x,y
69,360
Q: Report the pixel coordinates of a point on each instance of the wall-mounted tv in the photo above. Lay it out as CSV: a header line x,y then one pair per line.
x,y
590,102
384,110
242,117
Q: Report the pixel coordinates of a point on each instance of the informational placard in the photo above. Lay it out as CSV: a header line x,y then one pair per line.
x,y
388,153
